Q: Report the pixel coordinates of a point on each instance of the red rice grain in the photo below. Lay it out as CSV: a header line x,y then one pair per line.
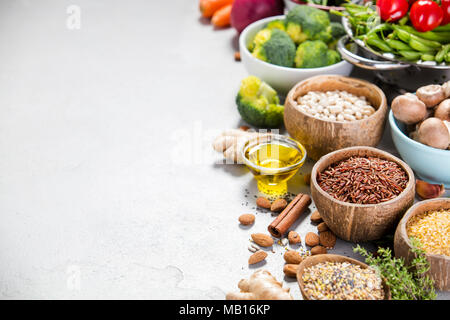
x,y
363,180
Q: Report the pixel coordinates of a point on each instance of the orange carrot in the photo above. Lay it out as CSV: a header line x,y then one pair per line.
x,y
221,17
208,7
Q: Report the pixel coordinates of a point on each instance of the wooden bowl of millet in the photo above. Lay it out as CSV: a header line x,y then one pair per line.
x,y
439,264
323,136
367,221
320,258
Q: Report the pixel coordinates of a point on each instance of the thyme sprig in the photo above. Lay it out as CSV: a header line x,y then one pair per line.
x,y
405,282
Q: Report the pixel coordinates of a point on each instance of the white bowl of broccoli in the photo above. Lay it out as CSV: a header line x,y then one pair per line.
x,y
282,53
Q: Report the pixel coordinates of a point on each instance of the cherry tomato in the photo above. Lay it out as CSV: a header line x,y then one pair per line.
x,y
445,5
426,15
392,10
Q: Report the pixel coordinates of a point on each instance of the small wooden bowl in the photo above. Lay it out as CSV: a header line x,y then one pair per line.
x,y
320,136
360,222
439,264
313,260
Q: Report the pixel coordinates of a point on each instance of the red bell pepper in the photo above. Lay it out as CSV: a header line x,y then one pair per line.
x,y
392,10
426,15
445,6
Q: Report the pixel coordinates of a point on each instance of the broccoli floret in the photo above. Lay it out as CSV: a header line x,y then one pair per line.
x,y
337,31
258,103
276,24
261,37
274,46
333,57
325,36
307,23
311,54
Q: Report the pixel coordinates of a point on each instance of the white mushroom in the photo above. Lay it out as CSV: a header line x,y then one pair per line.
x,y
408,108
446,88
434,133
443,110
431,95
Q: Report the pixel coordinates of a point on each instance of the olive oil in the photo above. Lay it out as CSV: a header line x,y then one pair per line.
x,y
273,163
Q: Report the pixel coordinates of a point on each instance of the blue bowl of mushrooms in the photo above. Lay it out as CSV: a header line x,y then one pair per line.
x,y
420,128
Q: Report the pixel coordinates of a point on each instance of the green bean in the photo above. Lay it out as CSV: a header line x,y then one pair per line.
x,y
403,35
442,28
419,46
406,36
447,57
338,13
380,28
428,43
410,55
429,35
440,56
427,57
398,45
374,41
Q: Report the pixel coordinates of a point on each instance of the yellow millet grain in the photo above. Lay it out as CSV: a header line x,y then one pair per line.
x,y
432,229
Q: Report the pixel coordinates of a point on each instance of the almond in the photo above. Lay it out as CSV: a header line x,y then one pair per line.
x,y
322,227
327,239
311,239
262,239
263,203
247,219
258,256
292,257
315,217
290,270
318,250
278,205
294,237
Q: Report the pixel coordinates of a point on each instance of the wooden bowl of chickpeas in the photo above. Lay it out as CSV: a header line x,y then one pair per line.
x,y
329,112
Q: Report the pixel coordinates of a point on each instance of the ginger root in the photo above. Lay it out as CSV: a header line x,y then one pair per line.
x,y
260,286
231,142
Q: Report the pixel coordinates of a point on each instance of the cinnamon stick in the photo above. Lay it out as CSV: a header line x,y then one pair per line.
x,y
287,217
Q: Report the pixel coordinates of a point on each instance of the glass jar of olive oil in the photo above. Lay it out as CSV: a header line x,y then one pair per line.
x,y
273,160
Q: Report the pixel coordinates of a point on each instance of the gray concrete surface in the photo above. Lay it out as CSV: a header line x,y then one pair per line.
x,y
108,184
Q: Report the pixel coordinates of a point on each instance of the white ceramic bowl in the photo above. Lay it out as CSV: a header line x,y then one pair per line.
x,y
429,164
280,78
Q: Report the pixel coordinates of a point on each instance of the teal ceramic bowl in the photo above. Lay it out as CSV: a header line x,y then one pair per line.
x,y
429,164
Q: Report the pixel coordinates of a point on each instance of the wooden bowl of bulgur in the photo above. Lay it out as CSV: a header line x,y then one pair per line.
x,y
378,291
428,222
